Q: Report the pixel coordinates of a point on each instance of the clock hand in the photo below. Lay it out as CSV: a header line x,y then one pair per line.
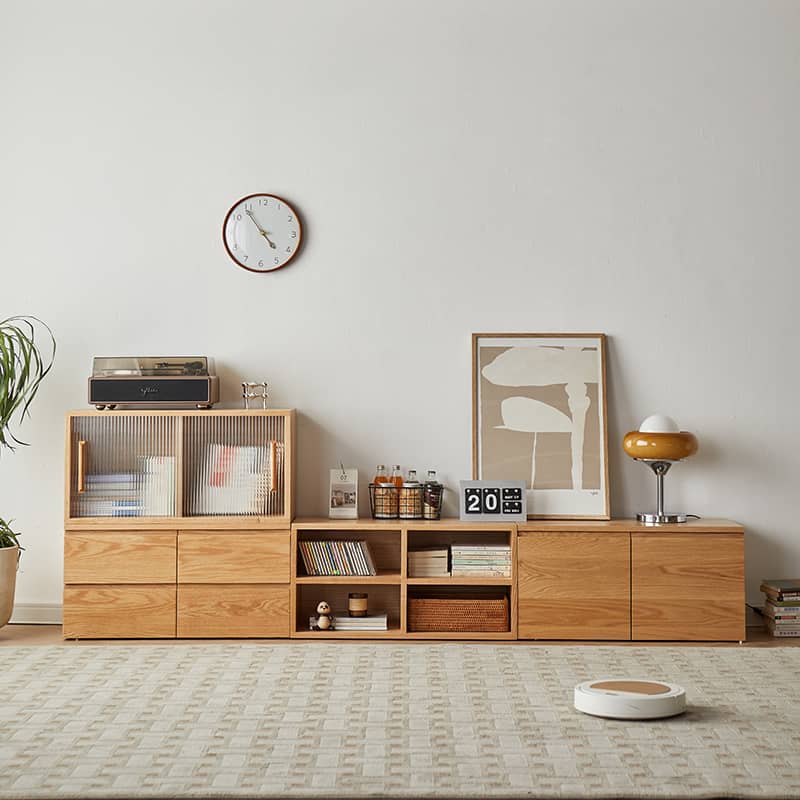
x,y
260,229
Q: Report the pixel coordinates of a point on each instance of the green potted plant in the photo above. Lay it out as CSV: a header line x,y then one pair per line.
x,y
23,366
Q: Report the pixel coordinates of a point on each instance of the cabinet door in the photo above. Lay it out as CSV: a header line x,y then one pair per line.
x,y
688,586
114,557
119,612
573,585
223,611
233,557
122,466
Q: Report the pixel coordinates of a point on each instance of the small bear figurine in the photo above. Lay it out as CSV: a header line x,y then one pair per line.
x,y
324,619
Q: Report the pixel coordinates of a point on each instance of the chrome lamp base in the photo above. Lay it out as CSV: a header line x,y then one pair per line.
x,y
660,517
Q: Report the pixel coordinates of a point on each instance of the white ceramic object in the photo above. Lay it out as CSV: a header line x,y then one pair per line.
x,y
659,423
630,698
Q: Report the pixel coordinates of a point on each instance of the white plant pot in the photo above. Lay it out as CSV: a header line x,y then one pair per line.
x,y
9,557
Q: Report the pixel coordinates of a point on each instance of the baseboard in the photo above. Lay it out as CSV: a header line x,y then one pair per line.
x,y
36,614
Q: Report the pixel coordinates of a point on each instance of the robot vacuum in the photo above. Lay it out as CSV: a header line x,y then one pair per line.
x,y
630,698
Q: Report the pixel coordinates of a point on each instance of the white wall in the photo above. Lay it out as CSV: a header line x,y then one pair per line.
x,y
626,167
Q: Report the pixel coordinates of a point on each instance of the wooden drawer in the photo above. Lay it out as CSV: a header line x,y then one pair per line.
x,y
226,557
574,585
233,610
119,612
114,557
688,586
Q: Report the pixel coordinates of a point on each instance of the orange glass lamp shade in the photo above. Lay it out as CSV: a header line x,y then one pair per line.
x,y
659,442
660,446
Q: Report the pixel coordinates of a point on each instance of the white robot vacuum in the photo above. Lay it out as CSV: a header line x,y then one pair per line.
x,y
630,698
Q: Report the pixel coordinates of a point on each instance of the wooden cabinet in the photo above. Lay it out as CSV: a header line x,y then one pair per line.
x,y
687,587
177,523
624,580
574,585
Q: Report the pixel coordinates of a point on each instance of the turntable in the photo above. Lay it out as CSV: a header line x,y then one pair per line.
x,y
163,381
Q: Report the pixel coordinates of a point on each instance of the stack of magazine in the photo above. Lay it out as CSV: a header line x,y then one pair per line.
x,y
484,560
378,622
148,492
782,606
234,479
428,562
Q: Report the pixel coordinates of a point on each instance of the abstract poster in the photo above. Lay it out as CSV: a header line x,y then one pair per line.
x,y
539,415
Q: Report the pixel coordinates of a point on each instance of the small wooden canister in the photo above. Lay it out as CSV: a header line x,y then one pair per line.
x,y
357,604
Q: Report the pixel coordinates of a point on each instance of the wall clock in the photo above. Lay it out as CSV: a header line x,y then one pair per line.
x,y
262,233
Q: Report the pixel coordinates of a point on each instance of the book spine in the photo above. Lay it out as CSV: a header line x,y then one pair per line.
x,y
321,560
352,554
355,549
368,558
341,549
306,561
331,566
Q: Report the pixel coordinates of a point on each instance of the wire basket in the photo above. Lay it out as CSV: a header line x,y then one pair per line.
x,y
384,501
432,496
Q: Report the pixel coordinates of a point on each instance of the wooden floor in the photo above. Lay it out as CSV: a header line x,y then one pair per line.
x,y
51,635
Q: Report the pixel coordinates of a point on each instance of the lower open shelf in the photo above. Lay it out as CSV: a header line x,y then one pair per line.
x,y
413,612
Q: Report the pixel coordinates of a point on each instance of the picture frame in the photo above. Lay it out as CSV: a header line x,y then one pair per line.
x,y
539,415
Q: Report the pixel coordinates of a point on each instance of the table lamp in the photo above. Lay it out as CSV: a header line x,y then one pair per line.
x,y
659,442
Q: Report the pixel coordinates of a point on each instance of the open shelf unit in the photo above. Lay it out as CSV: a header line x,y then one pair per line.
x,y
389,543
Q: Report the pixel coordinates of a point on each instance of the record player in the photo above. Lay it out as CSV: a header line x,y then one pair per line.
x,y
176,381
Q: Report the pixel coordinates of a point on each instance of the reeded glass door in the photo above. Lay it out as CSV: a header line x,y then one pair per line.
x,y
123,466
234,465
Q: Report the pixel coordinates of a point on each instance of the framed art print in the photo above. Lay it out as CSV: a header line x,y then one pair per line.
x,y
539,415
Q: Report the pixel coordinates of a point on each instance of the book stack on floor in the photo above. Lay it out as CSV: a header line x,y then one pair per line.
x,y
482,560
337,557
782,606
429,562
377,622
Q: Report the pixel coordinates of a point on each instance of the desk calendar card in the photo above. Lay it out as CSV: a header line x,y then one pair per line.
x,y
343,494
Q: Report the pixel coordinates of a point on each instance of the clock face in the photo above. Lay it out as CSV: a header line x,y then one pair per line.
x,y
262,233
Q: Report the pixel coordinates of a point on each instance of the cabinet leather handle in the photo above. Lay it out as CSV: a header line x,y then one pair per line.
x,y
82,454
273,463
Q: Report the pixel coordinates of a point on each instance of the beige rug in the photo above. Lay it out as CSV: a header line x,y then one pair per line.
x,y
390,720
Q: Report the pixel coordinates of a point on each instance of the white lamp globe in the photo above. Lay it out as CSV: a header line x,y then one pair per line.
x,y
659,423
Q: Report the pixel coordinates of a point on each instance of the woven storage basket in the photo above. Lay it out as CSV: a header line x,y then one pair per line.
x,y
459,613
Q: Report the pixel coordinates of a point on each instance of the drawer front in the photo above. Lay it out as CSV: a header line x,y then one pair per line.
x,y
114,557
688,586
574,585
226,557
119,612
221,611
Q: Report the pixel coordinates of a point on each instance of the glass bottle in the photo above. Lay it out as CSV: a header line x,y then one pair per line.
x,y
432,496
383,495
397,476
411,497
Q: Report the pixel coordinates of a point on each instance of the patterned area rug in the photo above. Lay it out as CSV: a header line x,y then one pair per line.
x,y
390,720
